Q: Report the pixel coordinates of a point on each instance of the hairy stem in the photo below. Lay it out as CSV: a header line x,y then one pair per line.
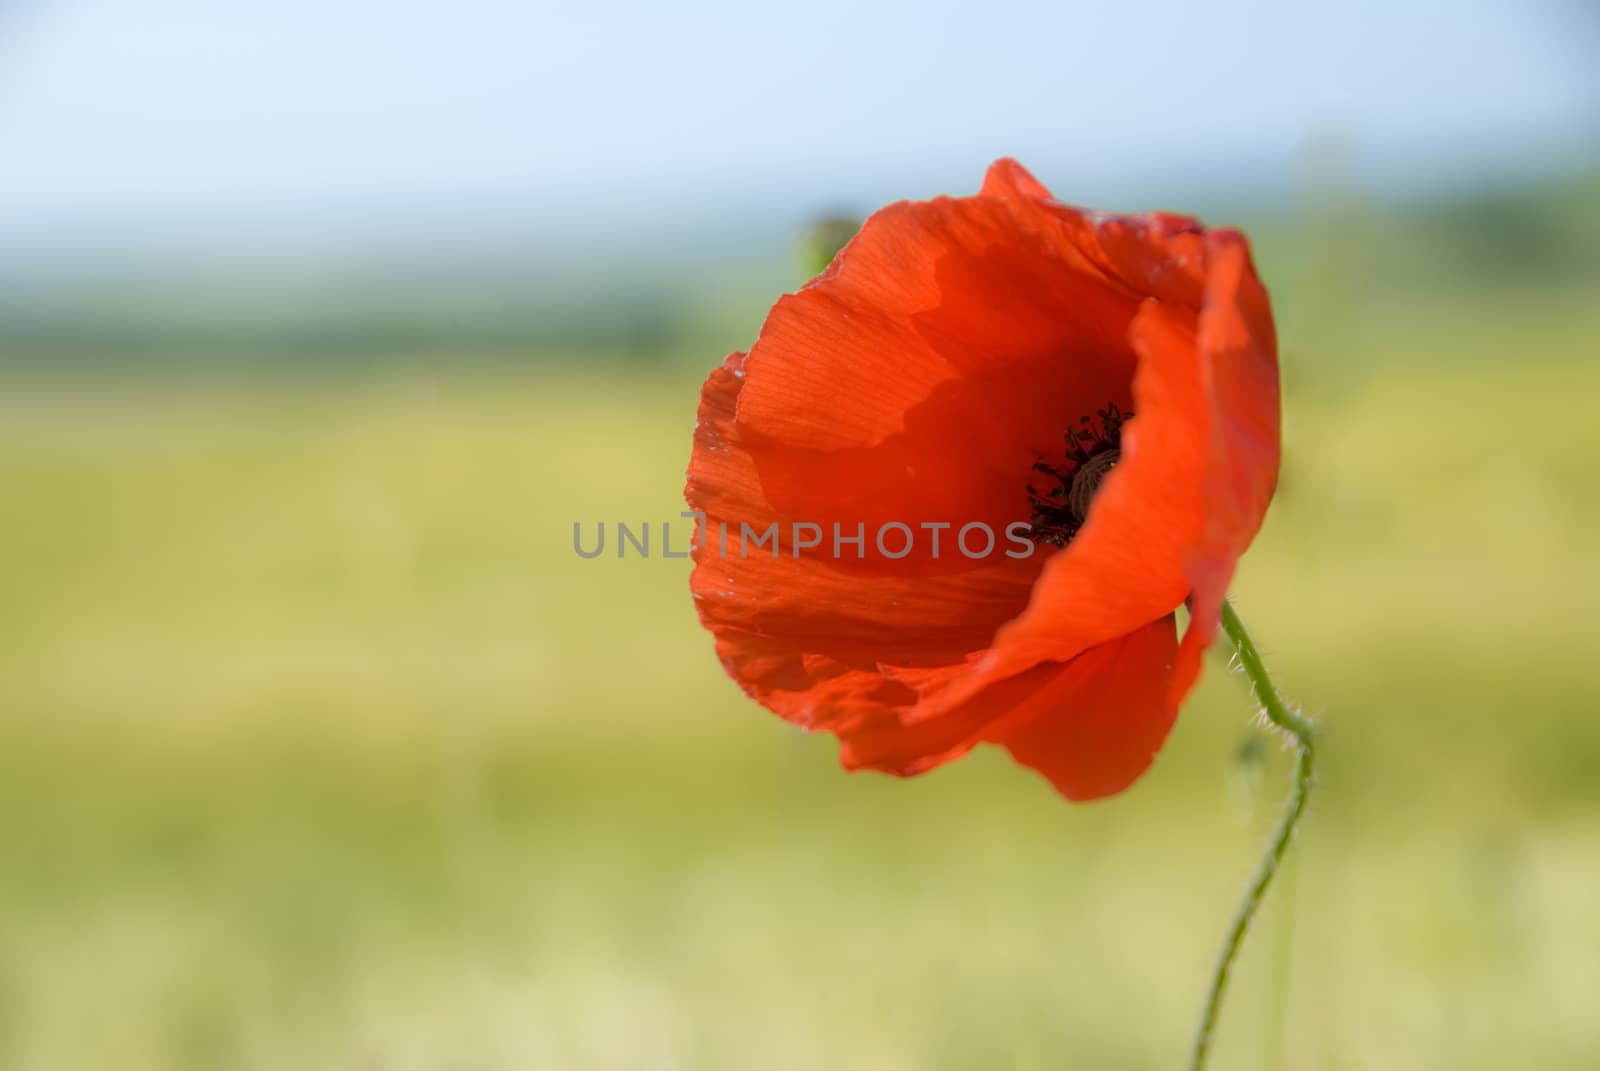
x,y
1298,729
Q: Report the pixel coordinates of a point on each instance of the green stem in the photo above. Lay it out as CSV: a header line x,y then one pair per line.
x,y
1299,730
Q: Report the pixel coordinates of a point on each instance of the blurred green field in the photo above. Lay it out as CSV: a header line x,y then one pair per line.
x,y
321,749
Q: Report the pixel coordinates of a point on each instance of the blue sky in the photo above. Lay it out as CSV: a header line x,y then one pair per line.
x,y
183,116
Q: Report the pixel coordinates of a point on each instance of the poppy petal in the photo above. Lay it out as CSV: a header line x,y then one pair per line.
x,y
1127,566
1091,725
1154,254
1239,366
1094,724
922,375
1199,465
800,634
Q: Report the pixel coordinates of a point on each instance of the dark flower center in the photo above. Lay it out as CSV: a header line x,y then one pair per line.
x,y
1093,448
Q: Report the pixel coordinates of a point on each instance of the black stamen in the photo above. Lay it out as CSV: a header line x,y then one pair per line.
x,y
1092,452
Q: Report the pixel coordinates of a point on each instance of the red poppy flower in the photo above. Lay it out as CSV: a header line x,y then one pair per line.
x,y
1109,381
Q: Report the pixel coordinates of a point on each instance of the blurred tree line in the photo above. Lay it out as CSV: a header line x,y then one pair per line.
x,y
1325,252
